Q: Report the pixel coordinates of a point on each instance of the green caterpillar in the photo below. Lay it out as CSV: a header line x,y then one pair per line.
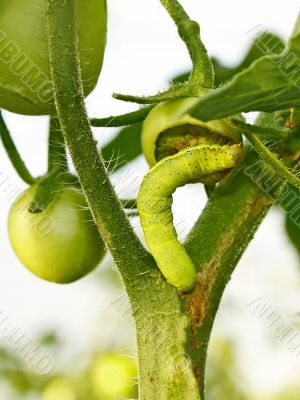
x,y
155,202
187,150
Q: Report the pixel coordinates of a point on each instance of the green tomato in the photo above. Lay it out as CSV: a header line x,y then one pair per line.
x,y
25,79
60,244
114,376
169,128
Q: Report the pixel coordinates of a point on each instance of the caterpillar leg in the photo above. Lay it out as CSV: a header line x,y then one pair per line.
x,y
155,205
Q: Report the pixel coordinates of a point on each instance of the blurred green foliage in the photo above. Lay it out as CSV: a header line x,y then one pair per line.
x,y
107,368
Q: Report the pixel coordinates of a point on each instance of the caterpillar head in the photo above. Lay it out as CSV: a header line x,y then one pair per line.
x,y
169,129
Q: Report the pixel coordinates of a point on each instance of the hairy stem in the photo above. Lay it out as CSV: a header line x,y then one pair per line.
x,y
237,207
174,92
122,120
57,156
106,207
202,76
189,31
160,319
272,159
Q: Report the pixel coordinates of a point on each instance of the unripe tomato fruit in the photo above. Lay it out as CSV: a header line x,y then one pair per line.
x,y
60,244
114,377
170,128
25,79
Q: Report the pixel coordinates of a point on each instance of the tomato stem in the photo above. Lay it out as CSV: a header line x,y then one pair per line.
x,y
272,159
176,91
14,155
155,304
46,191
202,76
57,156
68,89
124,119
262,131
189,31
209,190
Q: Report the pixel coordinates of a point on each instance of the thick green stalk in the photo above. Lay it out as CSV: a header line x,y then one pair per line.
x,y
75,125
162,325
236,207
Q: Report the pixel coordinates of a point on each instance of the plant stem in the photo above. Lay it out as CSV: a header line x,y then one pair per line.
x,y
156,307
189,31
272,159
209,190
57,156
122,120
202,76
129,204
171,330
237,208
174,92
14,155
75,125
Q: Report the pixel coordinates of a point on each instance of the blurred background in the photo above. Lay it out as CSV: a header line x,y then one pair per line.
x,y
85,329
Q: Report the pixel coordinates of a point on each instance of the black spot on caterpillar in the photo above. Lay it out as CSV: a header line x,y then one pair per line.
x,y
155,202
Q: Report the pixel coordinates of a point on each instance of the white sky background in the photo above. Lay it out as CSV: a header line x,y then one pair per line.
x,y
143,53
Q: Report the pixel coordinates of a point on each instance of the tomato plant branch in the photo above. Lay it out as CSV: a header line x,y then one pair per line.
x,y
216,249
75,125
209,189
174,92
202,76
14,155
272,159
122,120
57,156
189,31
161,323
129,203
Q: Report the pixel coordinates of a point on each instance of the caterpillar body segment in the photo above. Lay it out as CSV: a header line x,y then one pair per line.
x,y
155,205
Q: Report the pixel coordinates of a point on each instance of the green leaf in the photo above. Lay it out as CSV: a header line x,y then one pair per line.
x,y
270,84
125,147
